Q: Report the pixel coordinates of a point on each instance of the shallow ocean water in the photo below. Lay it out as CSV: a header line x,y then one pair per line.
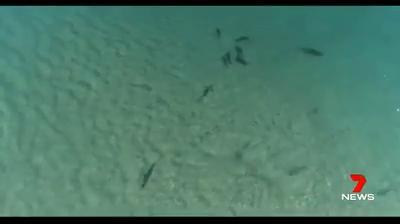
x,y
198,110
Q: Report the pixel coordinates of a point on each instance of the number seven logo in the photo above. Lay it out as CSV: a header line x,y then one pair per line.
x,y
360,179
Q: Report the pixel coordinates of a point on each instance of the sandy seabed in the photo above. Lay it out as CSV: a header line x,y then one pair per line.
x,y
91,97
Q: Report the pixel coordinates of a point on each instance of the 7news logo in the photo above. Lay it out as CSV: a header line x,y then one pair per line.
x,y
357,195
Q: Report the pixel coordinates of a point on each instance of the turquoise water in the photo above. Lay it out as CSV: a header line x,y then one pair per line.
x,y
198,110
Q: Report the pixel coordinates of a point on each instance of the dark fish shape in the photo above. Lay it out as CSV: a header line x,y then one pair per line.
x,y
218,32
241,60
242,38
226,59
206,91
239,56
239,50
312,52
296,170
147,175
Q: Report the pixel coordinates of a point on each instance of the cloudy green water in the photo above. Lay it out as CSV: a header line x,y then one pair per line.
x,y
92,97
